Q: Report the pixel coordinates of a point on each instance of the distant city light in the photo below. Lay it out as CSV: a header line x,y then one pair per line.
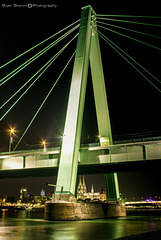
x,y
149,200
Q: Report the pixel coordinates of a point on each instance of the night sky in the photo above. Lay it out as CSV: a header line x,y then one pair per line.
x,y
134,103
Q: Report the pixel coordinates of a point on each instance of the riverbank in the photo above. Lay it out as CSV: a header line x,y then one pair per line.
x,y
143,236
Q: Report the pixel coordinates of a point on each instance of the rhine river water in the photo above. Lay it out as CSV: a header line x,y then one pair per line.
x,y
19,226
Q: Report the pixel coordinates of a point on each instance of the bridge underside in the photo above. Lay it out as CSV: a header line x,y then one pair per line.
x,y
150,165
136,156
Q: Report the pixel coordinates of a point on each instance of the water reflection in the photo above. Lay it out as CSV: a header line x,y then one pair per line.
x,y
19,226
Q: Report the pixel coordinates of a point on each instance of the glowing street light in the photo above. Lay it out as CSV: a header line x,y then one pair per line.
x,y
44,144
11,138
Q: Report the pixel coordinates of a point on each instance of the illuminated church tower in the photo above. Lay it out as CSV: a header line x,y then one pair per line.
x,y
81,189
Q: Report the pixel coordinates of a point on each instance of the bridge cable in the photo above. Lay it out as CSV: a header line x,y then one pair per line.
x,y
118,20
140,135
130,16
52,59
131,58
25,90
131,30
29,61
48,64
137,40
26,144
44,100
39,44
105,39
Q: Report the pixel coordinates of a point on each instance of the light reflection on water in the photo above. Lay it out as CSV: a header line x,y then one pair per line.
x,y
18,226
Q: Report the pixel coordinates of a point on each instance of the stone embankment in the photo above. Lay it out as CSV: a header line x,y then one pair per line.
x,y
60,211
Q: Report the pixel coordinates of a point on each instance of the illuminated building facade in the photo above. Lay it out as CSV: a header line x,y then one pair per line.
x,y
23,193
42,192
82,193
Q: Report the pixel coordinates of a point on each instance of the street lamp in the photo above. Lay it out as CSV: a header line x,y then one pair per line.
x,y
11,138
44,144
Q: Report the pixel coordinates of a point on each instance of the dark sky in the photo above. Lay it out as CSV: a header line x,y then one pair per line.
x,y
133,102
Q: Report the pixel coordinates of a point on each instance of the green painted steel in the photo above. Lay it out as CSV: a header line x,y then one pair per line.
x,y
102,111
87,48
71,141
99,89
68,165
112,187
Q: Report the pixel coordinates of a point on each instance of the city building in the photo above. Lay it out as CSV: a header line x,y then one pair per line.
x,y
42,192
82,193
82,189
23,193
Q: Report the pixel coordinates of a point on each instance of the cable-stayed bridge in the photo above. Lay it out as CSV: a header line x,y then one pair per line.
x,y
70,156
93,159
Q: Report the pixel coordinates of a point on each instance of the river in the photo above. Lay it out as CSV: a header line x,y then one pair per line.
x,y
22,226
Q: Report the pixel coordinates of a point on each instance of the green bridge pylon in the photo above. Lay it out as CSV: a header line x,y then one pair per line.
x,y
87,49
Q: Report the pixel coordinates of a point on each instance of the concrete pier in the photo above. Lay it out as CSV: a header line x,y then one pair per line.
x,y
70,211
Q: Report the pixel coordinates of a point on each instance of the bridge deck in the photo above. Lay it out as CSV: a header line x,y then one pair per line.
x,y
92,159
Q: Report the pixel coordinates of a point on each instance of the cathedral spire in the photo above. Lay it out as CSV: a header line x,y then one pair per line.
x,y
80,182
92,190
84,186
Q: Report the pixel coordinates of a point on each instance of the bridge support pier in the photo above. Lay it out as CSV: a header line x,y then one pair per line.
x,y
88,48
63,211
68,164
112,188
65,196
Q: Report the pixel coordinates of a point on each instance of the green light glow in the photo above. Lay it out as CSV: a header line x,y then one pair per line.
x,y
127,29
131,38
104,38
44,101
118,20
29,61
39,44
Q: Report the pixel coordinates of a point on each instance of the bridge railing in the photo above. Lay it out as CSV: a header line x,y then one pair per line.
x,y
121,153
91,154
29,159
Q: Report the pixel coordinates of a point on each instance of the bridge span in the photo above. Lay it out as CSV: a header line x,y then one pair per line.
x,y
93,159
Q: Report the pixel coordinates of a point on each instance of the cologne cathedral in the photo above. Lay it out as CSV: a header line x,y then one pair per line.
x,y
82,193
